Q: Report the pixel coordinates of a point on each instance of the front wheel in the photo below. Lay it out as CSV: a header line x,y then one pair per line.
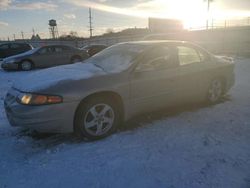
x,y
215,91
26,66
96,118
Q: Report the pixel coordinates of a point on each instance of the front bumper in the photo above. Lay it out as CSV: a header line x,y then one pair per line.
x,y
9,66
54,118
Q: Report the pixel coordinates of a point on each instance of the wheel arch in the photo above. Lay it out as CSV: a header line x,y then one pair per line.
x,y
114,95
26,59
223,79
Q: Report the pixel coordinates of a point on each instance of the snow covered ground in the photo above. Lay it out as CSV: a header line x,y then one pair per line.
x,y
206,146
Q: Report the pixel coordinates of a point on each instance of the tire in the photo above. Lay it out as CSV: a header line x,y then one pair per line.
x,y
75,59
96,118
26,65
215,91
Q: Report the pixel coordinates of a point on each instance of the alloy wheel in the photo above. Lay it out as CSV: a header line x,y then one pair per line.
x,y
26,65
99,119
215,91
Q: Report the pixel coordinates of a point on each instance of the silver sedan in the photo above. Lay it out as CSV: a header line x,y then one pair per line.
x,y
94,97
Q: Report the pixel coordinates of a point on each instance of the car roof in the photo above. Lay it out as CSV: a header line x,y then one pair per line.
x,y
54,45
153,42
15,43
158,42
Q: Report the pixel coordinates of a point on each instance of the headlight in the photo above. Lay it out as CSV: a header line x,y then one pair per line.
x,y
10,61
36,99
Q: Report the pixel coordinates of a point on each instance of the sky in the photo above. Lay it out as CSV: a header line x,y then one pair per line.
x,y
18,16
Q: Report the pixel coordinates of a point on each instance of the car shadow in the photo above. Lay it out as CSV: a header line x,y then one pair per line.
x,y
49,140
147,118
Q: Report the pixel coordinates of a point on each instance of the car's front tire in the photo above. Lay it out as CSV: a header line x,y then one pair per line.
x,y
215,90
26,65
96,118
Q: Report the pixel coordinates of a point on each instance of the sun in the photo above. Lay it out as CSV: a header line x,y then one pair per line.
x,y
192,13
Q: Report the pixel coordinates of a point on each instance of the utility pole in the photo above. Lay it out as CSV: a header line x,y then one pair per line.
x,y
90,24
22,35
208,9
33,31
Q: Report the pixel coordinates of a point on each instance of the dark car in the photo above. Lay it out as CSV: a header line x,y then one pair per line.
x,y
9,49
46,56
127,79
94,48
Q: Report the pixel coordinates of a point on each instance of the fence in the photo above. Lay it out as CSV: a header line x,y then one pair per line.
x,y
230,40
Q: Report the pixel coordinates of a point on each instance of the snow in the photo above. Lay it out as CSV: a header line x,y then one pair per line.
x,y
116,63
201,146
48,77
117,58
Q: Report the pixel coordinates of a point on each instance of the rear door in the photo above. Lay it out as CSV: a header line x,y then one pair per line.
x,y
44,57
153,82
62,55
190,73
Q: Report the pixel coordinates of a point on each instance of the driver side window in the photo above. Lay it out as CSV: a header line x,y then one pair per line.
x,y
45,50
157,59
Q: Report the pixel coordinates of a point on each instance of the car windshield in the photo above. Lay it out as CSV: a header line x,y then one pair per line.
x,y
30,52
118,57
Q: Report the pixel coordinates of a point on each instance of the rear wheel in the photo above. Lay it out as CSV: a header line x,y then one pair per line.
x,y
215,90
26,66
96,118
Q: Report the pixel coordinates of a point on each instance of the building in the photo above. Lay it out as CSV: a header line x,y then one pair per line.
x,y
157,25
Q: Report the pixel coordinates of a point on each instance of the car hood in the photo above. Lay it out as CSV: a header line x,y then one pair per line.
x,y
44,79
22,55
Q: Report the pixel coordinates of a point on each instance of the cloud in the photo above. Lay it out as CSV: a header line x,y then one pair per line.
x,y
107,8
178,9
36,6
4,4
10,4
70,16
3,24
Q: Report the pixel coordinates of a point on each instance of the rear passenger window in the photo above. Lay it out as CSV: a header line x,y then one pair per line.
x,y
15,46
58,49
4,47
188,55
66,48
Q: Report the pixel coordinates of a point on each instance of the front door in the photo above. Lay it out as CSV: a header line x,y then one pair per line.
x,y
153,82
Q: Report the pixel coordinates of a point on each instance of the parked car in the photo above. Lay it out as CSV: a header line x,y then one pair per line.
x,y
46,56
94,49
13,48
127,79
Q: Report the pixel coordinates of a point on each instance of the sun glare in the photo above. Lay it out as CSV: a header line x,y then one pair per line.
x,y
192,13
